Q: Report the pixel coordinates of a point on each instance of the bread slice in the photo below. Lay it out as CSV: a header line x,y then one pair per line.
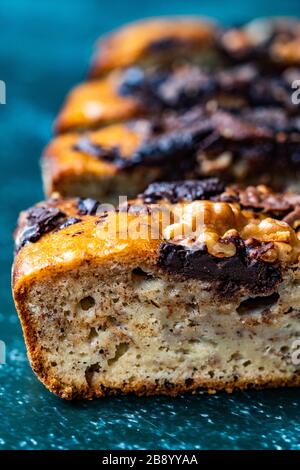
x,y
190,286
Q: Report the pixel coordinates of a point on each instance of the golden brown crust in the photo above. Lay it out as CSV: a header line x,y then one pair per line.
x,y
79,243
140,41
96,103
144,388
63,161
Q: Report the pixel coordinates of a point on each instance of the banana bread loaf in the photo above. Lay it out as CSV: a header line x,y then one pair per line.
x,y
183,98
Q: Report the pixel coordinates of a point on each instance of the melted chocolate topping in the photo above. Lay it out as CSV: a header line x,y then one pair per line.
x,y
185,87
70,221
166,44
183,191
253,89
189,86
163,143
87,206
97,151
175,140
40,220
246,269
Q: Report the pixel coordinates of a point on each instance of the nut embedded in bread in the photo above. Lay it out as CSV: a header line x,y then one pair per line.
x,y
109,305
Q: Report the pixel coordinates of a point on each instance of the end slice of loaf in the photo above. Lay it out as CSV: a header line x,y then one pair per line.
x,y
107,312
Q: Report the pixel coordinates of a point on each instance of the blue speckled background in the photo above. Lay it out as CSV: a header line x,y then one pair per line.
x,y
44,50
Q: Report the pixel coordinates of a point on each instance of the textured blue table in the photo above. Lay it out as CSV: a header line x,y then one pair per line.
x,y
44,50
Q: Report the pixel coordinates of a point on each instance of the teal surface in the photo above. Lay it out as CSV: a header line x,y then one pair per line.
x,y
44,50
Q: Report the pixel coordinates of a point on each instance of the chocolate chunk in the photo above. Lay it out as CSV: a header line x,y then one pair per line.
x,y
44,217
171,144
185,86
237,79
176,139
88,206
136,82
181,88
182,137
39,221
295,157
252,198
70,221
85,145
244,270
132,80
234,127
165,44
272,118
270,91
183,190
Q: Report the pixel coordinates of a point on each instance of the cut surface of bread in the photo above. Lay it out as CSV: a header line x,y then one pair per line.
x,y
129,300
